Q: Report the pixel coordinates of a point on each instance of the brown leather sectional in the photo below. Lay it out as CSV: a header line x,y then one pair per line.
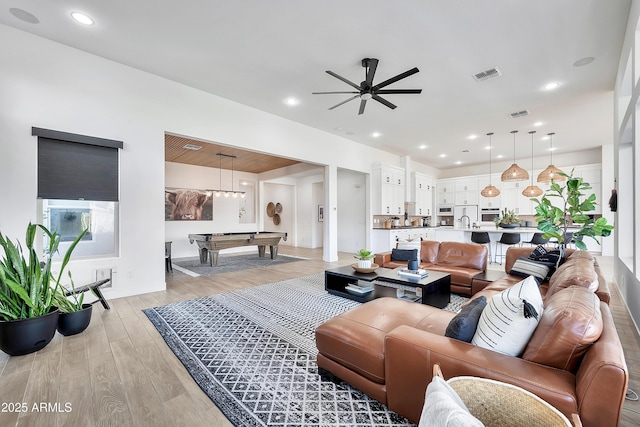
x,y
387,348
463,261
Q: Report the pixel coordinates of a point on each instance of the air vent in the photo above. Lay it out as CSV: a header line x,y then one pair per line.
x,y
519,114
192,147
487,74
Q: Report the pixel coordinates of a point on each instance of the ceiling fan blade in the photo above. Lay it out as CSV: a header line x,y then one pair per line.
x,y
396,78
371,70
325,93
384,101
389,91
350,83
363,103
344,102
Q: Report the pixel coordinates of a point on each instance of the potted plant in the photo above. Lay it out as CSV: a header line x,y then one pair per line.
x,y
554,221
75,316
28,293
365,258
507,219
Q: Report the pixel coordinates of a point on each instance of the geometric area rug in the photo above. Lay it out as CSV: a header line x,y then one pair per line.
x,y
252,351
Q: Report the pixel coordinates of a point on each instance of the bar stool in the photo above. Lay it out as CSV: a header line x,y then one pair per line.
x,y
482,237
507,239
537,239
167,257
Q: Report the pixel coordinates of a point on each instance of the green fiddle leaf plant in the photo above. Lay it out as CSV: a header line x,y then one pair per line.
x,y
554,220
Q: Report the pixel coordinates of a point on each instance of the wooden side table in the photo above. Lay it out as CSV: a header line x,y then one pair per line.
x,y
481,280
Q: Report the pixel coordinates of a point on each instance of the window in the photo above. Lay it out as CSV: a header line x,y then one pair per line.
x,y
78,189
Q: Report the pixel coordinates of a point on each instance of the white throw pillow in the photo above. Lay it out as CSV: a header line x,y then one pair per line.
x,y
443,407
414,244
510,318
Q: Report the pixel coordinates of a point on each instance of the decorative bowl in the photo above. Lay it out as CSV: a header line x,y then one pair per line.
x,y
364,270
509,225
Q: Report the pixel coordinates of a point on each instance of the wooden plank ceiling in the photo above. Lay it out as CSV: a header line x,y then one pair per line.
x,y
246,161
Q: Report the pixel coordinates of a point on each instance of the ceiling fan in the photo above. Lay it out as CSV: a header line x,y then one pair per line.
x,y
367,90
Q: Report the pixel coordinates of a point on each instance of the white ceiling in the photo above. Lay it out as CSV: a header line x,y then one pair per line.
x,y
260,52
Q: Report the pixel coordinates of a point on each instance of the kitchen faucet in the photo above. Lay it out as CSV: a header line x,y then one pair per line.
x,y
462,221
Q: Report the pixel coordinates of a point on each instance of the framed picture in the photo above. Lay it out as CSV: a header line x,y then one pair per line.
x,y
183,204
320,213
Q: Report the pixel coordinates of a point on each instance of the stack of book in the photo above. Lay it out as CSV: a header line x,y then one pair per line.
x,y
358,289
413,274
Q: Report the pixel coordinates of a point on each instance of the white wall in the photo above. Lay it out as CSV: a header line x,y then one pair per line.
x,y
284,194
48,85
352,211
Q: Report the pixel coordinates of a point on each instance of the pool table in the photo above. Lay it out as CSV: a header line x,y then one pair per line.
x,y
211,244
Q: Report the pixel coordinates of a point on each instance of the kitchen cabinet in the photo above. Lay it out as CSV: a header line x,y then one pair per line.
x,y
446,192
423,193
388,193
513,199
467,192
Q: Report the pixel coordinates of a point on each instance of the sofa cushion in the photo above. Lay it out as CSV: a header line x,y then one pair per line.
x,y
582,255
571,322
404,254
510,318
463,326
467,255
524,267
576,272
429,251
443,407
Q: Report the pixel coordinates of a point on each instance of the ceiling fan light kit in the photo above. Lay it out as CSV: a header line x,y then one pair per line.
x,y
490,190
551,172
514,172
367,90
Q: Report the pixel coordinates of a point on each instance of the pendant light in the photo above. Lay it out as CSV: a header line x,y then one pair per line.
x,y
532,190
227,193
490,190
551,172
514,172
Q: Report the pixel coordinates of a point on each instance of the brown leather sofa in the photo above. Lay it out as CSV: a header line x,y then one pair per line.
x,y
387,349
463,261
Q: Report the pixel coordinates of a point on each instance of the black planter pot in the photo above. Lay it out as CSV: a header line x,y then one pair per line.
x,y
509,225
19,337
75,322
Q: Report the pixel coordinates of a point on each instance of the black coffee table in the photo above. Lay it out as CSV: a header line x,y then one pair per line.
x,y
434,290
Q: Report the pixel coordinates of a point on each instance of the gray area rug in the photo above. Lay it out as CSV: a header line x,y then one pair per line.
x,y
253,352
230,263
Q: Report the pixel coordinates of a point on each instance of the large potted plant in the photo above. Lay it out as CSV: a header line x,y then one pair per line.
x,y
570,215
28,292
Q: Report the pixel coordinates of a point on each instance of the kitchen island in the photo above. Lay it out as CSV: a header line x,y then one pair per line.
x,y
385,239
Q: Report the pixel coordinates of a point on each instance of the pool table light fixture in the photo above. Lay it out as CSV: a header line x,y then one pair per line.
x,y
227,193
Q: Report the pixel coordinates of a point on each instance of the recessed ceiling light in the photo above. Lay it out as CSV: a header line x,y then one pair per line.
x,y
472,136
458,162
376,134
553,148
538,124
488,147
23,15
82,18
584,61
442,156
499,156
545,137
551,86
423,146
291,101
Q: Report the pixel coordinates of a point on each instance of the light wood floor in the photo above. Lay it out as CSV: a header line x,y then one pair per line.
x,y
120,372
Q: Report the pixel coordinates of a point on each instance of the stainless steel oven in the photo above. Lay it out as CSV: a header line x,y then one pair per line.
x,y
487,215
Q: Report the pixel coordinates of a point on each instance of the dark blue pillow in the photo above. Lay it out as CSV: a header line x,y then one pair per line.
x,y
463,326
404,254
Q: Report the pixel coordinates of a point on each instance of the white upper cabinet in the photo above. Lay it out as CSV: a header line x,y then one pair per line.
x,y
388,189
422,192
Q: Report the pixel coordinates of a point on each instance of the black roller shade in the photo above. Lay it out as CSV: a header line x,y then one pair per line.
x,y
70,170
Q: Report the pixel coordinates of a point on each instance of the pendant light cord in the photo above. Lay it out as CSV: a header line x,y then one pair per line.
x,y
532,132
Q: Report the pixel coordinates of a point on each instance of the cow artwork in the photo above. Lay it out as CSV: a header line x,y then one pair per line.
x,y
188,205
